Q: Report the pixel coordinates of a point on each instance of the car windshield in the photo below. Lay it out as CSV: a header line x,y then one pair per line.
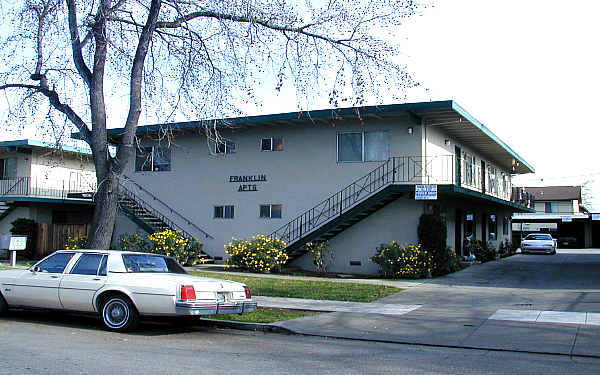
x,y
538,237
151,263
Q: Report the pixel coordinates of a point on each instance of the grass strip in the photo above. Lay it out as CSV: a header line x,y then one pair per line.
x,y
308,289
263,316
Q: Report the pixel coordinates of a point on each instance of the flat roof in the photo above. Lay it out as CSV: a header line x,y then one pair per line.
x,y
34,143
446,115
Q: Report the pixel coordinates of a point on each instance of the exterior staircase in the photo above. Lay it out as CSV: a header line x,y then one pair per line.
x,y
5,209
392,179
151,219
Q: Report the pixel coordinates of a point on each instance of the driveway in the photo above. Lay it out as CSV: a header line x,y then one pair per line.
x,y
462,309
567,281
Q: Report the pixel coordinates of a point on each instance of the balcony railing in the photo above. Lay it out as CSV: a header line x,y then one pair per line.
x,y
45,188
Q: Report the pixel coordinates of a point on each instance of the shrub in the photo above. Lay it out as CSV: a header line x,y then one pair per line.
x,y
432,232
172,243
403,261
483,251
74,243
134,242
258,254
26,227
322,254
506,248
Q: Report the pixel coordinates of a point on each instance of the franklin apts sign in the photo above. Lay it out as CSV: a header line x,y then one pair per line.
x,y
425,192
244,186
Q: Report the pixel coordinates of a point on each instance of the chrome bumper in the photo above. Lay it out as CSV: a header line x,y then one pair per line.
x,y
214,308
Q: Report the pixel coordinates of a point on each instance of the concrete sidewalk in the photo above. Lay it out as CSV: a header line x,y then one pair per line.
x,y
450,328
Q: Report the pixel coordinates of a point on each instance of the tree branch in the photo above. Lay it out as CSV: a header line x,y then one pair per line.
x,y
56,103
76,45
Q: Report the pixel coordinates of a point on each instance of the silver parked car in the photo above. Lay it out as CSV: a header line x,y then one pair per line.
x,y
538,242
119,287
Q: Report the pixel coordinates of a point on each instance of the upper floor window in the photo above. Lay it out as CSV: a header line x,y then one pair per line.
x,y
363,146
551,207
8,168
153,159
271,144
225,147
270,211
224,212
469,163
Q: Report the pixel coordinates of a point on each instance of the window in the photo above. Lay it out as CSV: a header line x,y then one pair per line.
x,y
270,211
153,159
225,147
469,162
88,264
151,263
492,228
55,263
271,144
493,180
363,146
224,212
551,207
8,169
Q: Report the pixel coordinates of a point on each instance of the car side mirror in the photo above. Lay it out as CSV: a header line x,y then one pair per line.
x,y
35,270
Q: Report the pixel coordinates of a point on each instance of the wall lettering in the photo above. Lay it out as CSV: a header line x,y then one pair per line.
x,y
248,178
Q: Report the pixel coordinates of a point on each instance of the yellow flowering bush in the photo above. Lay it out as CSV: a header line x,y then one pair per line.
x,y
74,243
172,243
258,254
403,261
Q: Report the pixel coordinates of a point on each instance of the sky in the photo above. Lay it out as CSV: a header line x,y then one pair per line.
x,y
527,69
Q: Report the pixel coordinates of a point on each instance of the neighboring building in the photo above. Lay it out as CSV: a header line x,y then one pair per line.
x,y
559,211
43,183
345,175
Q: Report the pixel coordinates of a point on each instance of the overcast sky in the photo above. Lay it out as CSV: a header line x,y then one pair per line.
x,y
527,69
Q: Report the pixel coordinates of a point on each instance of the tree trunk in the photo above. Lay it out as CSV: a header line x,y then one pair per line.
x,y
105,212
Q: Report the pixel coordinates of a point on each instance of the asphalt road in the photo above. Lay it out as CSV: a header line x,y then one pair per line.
x,y
41,343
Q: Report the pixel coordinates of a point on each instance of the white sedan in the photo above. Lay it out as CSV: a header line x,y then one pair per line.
x,y
120,286
538,242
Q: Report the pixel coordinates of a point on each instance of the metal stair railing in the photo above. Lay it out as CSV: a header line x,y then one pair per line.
x,y
399,169
10,189
128,193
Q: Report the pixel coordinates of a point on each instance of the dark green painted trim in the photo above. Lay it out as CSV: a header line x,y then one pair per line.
x,y
48,200
460,110
476,194
35,143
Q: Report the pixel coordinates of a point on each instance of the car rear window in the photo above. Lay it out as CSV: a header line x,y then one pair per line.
x,y
151,263
538,237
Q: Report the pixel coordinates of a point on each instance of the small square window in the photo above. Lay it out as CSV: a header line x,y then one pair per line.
x,y
225,147
224,212
270,211
153,159
271,144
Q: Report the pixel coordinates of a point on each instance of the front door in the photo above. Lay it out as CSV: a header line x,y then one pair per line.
x,y
79,286
40,288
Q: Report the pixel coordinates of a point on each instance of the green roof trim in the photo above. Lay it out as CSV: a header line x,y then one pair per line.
x,y
460,110
333,114
42,144
86,202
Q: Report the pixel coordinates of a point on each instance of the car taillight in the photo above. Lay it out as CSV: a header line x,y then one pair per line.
x,y
188,292
247,290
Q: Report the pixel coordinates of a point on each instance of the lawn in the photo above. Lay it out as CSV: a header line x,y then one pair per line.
x,y
263,316
324,290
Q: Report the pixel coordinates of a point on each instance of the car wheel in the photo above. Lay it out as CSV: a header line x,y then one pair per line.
x,y
119,314
3,305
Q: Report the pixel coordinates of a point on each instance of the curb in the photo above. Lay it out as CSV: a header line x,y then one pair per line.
x,y
275,328
245,326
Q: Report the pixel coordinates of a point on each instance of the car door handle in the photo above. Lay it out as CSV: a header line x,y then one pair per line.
x,y
96,279
54,276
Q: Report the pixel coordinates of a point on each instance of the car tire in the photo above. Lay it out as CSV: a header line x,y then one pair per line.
x,y
3,305
118,314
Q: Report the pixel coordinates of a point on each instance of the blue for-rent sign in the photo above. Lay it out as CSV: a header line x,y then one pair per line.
x,y
425,192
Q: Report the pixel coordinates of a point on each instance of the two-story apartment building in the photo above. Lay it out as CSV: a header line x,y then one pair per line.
x,y
45,184
559,210
348,176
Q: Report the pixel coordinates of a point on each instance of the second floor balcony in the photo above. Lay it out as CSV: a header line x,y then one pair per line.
x,y
21,188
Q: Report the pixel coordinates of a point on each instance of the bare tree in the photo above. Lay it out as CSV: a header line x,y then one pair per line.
x,y
68,61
